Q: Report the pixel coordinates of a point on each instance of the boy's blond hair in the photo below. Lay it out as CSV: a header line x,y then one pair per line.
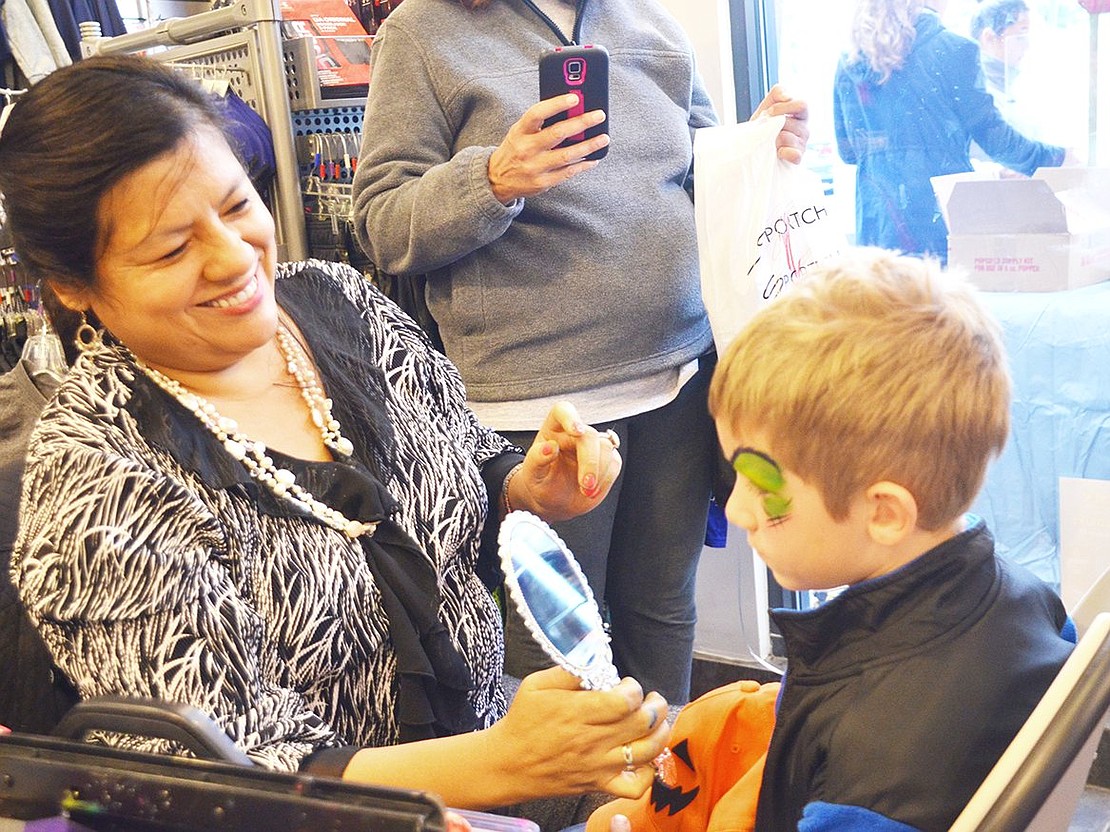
x,y
874,367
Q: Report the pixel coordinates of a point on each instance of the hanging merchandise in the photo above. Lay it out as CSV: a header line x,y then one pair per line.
x,y
111,21
254,139
337,42
33,38
9,97
17,314
381,11
761,222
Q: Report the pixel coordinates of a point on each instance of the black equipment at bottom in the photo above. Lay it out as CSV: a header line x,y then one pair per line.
x,y
103,788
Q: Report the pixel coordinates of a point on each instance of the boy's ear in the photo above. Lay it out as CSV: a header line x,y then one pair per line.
x,y
892,513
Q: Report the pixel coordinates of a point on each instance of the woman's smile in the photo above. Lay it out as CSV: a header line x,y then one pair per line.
x,y
238,298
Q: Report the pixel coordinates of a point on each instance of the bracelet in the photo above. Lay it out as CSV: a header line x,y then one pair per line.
x,y
506,506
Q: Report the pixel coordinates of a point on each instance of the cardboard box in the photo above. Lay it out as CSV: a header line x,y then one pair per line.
x,y
1043,234
336,38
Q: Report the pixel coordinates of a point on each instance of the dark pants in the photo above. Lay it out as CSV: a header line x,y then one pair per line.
x,y
640,547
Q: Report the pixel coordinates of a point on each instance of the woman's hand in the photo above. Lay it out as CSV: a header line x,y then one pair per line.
x,y
568,740
569,468
792,139
529,160
556,739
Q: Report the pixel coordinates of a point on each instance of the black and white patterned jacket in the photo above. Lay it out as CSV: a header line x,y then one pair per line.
x,y
148,576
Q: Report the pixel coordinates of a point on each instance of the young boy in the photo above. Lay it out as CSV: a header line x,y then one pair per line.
x,y
860,411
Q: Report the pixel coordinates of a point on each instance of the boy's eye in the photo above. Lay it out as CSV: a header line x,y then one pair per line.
x,y
759,469
777,506
765,478
240,206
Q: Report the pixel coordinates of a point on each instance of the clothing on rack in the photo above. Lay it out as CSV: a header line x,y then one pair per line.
x,y
33,38
33,697
65,18
9,101
42,35
107,13
256,142
5,50
15,321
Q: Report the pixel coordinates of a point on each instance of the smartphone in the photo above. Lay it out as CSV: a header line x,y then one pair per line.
x,y
583,71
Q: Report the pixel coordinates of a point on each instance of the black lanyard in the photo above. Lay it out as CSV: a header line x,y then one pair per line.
x,y
581,4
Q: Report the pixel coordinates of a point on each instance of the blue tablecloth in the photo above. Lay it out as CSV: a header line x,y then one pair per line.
x,y
1059,349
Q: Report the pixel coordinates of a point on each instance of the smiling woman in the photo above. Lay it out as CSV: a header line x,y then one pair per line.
x,y
260,492
187,280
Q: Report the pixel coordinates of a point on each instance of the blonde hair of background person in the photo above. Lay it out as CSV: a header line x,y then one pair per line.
x,y
883,32
908,101
885,419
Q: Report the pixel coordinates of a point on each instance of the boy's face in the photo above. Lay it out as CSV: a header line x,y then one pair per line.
x,y
787,523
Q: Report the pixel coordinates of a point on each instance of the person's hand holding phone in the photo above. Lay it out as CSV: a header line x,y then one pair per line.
x,y
529,160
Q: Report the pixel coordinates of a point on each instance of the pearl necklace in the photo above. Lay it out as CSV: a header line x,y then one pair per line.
x,y
253,454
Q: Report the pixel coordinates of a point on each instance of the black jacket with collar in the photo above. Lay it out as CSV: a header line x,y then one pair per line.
x,y
903,691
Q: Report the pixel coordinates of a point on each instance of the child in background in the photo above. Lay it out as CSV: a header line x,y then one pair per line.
x,y
860,411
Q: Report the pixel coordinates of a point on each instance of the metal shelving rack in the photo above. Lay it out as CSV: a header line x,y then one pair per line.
x,y
245,41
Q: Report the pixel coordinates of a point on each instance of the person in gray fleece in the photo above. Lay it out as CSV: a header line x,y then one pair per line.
x,y
551,277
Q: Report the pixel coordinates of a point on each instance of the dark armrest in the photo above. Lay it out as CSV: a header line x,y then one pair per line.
x,y
183,724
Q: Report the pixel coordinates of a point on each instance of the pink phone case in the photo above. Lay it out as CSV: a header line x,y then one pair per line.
x,y
584,72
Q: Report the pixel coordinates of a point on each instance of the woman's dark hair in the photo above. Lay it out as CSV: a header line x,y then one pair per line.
x,y
72,137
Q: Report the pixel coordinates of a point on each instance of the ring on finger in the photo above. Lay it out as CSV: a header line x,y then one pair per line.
x,y
613,438
629,763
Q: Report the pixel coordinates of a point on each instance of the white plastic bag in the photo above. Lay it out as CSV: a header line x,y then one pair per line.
x,y
761,221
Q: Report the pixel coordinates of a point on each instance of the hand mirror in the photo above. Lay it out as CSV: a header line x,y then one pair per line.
x,y
551,593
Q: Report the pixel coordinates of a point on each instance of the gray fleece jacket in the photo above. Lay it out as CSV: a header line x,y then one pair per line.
x,y
592,283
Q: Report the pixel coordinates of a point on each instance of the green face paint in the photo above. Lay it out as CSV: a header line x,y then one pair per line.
x,y
764,473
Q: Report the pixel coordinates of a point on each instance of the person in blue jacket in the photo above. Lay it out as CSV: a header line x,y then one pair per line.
x,y
909,99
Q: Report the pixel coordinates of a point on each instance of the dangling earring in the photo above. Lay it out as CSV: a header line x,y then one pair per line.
x,y
87,338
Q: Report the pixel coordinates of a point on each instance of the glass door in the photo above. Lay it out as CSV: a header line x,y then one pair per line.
x,y
1050,78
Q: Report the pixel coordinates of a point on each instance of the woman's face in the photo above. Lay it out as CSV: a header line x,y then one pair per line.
x,y
185,274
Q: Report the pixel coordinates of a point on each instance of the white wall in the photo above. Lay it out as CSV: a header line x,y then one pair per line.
x,y
706,21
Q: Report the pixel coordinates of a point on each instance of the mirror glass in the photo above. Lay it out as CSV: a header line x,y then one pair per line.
x,y
550,591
